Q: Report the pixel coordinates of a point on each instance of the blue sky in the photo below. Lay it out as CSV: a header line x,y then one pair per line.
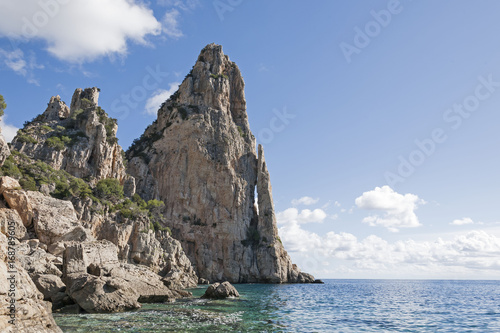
x,y
379,118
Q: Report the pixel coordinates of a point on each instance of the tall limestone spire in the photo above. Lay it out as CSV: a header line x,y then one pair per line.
x,y
199,157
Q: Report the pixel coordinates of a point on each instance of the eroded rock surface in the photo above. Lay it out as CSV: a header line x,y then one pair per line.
x,y
221,291
209,182
80,140
32,314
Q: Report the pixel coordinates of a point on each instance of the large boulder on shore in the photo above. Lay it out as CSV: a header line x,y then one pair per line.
x,y
220,291
98,282
96,294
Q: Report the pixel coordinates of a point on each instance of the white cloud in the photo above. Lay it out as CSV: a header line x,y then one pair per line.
x,y
304,201
467,255
171,24
292,216
79,30
463,221
21,65
8,131
158,97
398,210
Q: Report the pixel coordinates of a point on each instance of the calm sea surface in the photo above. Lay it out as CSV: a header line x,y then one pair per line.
x,y
336,306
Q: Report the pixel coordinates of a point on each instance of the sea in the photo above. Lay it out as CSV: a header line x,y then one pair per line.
x,y
336,306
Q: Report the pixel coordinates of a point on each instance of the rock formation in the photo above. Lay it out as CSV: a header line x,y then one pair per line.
x,y
199,157
220,291
85,241
19,293
80,140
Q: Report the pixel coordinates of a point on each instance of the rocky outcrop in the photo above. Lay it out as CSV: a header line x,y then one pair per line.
x,y
52,218
11,221
4,149
68,265
19,294
56,110
199,157
97,294
138,244
80,140
18,200
98,282
221,291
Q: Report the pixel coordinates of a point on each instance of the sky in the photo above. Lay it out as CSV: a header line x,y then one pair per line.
x,y
379,119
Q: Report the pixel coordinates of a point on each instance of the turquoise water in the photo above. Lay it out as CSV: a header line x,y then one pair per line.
x,y
336,306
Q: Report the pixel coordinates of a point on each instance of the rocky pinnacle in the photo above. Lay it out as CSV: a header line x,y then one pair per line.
x,y
200,158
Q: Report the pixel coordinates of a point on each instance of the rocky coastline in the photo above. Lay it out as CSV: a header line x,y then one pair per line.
x,y
88,227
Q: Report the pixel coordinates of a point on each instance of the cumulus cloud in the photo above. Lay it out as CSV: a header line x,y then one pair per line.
x,y
80,30
158,97
304,201
8,131
463,221
398,211
464,254
293,216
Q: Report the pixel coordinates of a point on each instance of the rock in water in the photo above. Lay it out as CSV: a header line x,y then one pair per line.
x,y
220,291
199,157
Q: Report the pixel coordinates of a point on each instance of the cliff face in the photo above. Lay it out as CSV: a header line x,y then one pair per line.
x,y
80,140
199,157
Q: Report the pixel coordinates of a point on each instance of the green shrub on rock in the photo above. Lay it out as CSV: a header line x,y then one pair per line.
x,y
109,189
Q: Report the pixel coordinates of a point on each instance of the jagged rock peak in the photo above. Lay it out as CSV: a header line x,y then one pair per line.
x,y
215,82
92,94
56,109
80,140
199,157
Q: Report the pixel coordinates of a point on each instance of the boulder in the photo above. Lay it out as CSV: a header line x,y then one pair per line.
x,y
100,294
117,288
203,281
52,218
18,200
147,285
98,282
220,291
79,258
36,261
49,285
8,183
11,223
